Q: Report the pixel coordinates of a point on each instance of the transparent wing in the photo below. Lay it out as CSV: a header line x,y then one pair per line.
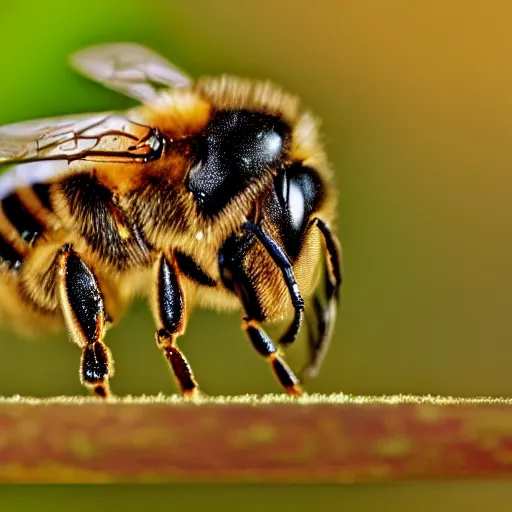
x,y
106,137
28,174
129,68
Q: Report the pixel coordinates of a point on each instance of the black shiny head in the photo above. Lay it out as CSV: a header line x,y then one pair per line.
x,y
236,147
297,193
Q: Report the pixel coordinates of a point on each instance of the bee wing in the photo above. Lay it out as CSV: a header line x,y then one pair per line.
x,y
129,68
29,174
103,136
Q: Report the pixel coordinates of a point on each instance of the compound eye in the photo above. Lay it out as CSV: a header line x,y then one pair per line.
x,y
296,204
281,185
291,199
299,191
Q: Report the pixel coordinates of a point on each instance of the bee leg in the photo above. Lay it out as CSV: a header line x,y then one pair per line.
x,y
333,249
85,318
319,336
325,315
231,258
286,268
264,345
169,311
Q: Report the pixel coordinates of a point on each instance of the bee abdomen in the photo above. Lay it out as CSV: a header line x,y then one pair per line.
x,y
42,192
21,225
9,256
24,221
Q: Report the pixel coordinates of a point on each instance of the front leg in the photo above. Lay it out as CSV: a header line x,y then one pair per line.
x,y
84,314
266,347
239,279
169,312
324,315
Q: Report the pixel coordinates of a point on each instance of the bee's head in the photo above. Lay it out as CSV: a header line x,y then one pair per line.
x,y
236,148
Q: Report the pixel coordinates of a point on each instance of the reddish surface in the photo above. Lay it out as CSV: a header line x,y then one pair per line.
x,y
265,443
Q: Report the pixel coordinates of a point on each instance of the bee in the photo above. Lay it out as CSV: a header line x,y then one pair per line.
x,y
213,193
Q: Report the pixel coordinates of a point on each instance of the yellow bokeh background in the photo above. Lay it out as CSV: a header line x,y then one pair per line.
x,y
416,104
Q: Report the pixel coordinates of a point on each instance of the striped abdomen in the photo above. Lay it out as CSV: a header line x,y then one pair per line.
x,y
23,219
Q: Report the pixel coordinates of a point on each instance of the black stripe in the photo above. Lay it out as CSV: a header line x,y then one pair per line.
x,y
94,210
9,254
192,270
26,224
42,191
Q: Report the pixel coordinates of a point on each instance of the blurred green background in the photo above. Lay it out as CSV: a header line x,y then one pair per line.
x,y
416,103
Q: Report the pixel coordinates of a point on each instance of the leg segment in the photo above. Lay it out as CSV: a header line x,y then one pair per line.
x,y
264,345
320,328
286,268
84,315
333,249
324,315
169,312
236,278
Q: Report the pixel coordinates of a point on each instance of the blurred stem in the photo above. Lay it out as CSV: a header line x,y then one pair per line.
x,y
317,439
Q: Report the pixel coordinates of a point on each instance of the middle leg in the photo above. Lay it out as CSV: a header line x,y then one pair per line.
x,y
170,316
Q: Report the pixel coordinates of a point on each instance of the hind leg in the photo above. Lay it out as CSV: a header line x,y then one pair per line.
x,y
83,309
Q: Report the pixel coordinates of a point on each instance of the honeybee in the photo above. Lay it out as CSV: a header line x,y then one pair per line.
x,y
215,193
